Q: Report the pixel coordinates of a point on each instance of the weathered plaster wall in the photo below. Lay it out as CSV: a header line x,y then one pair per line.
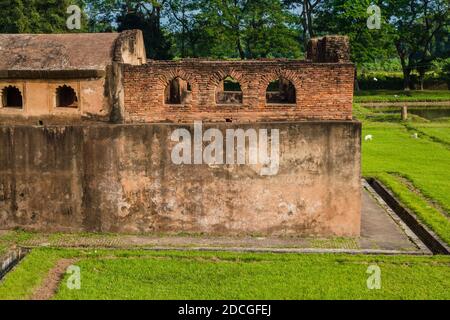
x,y
130,48
120,178
39,101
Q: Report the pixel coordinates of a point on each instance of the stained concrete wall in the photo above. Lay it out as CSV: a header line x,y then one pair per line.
x,y
120,178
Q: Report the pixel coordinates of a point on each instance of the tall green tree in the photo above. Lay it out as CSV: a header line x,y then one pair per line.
x,y
415,25
349,17
409,29
270,31
185,28
13,18
37,16
146,16
248,28
307,12
103,14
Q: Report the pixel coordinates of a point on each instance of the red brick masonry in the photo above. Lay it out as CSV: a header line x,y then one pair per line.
x,y
324,91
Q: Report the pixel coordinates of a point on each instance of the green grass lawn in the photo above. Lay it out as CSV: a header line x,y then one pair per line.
x,y
416,170
400,96
438,131
202,275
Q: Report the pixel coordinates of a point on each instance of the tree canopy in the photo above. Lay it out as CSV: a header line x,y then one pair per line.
x,y
36,16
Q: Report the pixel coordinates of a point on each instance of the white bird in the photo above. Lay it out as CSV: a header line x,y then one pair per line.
x,y
375,79
415,136
369,137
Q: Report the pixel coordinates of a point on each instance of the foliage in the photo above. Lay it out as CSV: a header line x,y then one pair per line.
x,y
248,29
146,17
377,64
413,34
379,80
442,66
349,17
401,95
415,30
308,10
36,16
102,15
415,26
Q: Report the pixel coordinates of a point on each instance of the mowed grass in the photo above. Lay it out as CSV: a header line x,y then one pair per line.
x,y
438,131
214,275
401,96
416,170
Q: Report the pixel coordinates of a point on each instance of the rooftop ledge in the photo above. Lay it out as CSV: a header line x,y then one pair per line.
x,y
250,61
51,74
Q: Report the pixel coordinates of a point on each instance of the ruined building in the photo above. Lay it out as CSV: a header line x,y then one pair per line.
x,y
85,139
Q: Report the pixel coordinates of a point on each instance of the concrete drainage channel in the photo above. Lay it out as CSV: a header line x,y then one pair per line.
x,y
10,260
428,237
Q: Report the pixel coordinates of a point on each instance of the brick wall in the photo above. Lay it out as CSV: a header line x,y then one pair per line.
x,y
324,91
329,49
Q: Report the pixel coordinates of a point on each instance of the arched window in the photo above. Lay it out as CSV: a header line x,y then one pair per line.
x,y
281,91
229,92
66,97
12,97
178,91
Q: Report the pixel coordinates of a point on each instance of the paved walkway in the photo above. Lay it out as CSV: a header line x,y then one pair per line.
x,y
383,229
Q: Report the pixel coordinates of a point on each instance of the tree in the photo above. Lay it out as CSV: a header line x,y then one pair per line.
x,y
120,15
36,16
349,17
103,14
146,16
266,33
445,71
184,25
415,25
307,9
248,28
13,19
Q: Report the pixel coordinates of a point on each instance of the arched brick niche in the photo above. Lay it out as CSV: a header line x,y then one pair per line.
x,y
66,97
11,97
180,90
323,91
227,88
288,93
